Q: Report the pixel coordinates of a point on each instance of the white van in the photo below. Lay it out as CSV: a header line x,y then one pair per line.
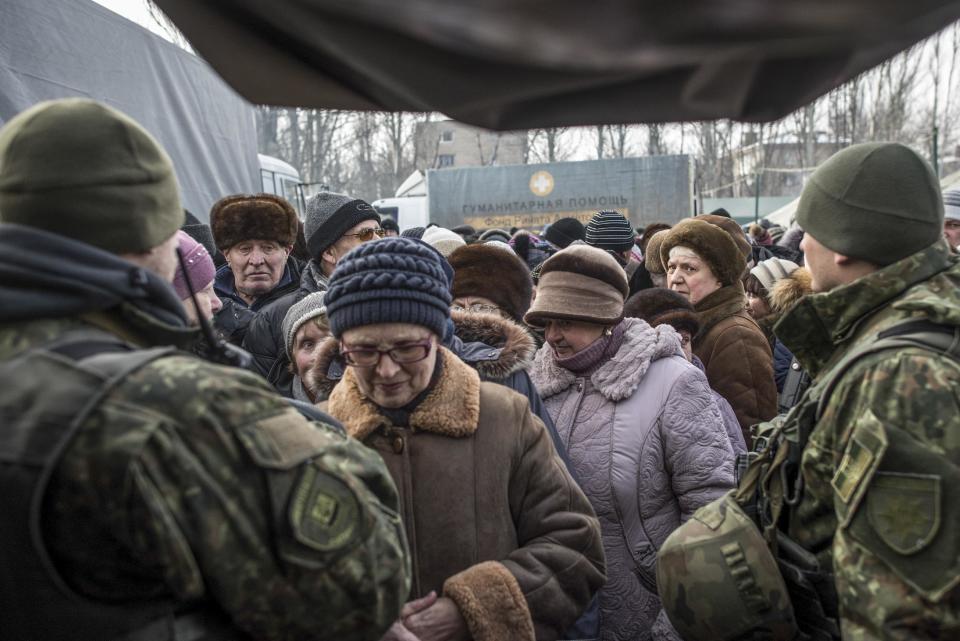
x,y
410,211
281,179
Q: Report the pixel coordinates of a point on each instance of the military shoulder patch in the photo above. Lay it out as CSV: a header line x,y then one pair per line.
x,y
906,513
325,512
863,454
854,465
904,509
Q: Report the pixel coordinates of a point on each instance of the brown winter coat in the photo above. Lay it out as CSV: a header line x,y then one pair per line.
x,y
493,519
737,356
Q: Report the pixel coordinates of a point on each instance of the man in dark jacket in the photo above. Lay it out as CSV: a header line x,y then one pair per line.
x,y
147,494
256,235
336,223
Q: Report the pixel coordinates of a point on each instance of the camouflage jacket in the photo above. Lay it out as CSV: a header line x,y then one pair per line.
x,y
881,468
196,483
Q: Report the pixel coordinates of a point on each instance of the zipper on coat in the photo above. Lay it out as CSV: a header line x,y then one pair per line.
x,y
576,411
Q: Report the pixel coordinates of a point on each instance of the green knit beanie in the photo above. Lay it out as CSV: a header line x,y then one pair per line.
x,y
81,169
878,202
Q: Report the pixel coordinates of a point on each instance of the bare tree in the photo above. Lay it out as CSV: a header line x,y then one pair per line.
x,y
655,143
618,140
601,134
267,133
485,158
548,145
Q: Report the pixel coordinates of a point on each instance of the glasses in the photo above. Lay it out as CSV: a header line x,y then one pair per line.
x,y
367,234
476,308
400,354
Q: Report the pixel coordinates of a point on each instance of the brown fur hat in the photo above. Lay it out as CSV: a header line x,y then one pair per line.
x,y
648,232
787,291
240,217
494,273
711,243
660,306
731,227
580,283
651,255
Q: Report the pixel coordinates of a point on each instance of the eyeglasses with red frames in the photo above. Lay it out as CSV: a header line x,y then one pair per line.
x,y
400,354
367,234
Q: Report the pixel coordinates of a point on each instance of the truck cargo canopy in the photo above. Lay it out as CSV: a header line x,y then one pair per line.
x,y
52,50
512,64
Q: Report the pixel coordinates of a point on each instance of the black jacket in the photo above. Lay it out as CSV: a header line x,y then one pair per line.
x,y
234,319
264,339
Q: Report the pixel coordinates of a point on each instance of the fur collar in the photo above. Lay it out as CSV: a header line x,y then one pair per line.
x,y
316,379
452,408
725,302
787,291
620,376
516,345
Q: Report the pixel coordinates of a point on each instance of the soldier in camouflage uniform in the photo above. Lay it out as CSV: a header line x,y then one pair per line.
x,y
149,494
881,468
856,491
882,464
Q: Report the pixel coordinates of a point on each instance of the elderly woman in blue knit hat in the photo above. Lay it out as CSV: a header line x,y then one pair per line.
x,y
504,545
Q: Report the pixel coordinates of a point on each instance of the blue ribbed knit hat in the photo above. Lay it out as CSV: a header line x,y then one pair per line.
x,y
394,280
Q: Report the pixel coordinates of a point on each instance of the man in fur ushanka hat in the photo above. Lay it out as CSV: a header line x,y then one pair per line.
x,y
256,234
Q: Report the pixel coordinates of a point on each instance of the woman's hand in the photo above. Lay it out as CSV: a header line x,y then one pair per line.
x,y
441,621
399,632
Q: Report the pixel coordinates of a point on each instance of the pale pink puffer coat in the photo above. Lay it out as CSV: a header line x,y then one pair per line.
x,y
648,444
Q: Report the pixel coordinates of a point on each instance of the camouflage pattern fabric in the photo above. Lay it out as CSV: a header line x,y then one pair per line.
x,y
197,482
881,468
717,579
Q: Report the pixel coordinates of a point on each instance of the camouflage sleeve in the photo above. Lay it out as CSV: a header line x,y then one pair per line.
x,y
893,472
291,527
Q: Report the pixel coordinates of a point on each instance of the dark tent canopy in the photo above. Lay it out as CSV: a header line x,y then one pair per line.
x,y
511,64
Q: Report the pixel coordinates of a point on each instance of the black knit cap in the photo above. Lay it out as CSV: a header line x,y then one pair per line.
x,y
660,306
611,231
394,280
330,216
199,231
413,232
565,231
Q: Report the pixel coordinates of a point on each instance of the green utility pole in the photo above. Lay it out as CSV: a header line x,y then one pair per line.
x,y
936,151
756,199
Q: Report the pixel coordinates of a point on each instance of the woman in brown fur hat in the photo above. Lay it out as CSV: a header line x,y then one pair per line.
x,y
705,264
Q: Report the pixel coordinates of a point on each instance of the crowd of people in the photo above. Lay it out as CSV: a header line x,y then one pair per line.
x,y
338,428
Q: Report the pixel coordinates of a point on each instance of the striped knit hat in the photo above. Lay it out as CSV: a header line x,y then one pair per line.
x,y
951,204
611,231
